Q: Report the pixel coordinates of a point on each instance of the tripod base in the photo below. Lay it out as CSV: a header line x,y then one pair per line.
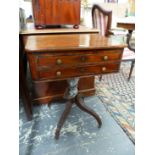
x,y
78,100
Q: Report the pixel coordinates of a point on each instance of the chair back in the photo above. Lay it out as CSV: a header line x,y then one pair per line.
x,y
101,19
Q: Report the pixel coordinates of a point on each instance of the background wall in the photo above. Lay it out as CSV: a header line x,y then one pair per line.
x,y
26,5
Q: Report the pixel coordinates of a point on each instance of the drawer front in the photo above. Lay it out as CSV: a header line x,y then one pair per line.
x,y
63,73
78,59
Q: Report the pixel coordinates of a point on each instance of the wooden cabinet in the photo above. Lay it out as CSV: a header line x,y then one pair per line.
x,y
56,12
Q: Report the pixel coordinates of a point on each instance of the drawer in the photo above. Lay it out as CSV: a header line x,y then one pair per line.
x,y
64,73
76,59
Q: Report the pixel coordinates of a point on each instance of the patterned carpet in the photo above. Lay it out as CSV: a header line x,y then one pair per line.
x,y
79,135
118,96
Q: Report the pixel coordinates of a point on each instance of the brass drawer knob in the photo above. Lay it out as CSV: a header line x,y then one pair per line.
x,y
58,73
105,57
82,70
104,68
83,58
59,61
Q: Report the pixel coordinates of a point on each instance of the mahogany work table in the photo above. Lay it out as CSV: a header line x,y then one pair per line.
x,y
71,57
45,92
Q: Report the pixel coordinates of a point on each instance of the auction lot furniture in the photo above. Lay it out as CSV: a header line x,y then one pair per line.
x,y
56,12
72,57
45,92
129,24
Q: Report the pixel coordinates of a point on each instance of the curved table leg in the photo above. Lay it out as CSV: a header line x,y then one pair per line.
x,y
63,118
80,103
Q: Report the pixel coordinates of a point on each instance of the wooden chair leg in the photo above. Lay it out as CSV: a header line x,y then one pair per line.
x,y
131,69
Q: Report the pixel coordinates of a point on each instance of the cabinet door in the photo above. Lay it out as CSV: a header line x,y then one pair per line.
x,y
69,11
56,12
62,12
52,12
39,11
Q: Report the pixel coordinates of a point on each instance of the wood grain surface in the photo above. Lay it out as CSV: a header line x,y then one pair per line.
x,y
72,42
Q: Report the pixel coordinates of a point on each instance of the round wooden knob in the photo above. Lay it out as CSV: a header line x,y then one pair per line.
x,y
83,58
58,73
82,70
104,68
105,57
59,61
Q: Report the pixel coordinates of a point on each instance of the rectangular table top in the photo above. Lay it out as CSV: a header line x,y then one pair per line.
x,y
31,30
62,42
126,23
